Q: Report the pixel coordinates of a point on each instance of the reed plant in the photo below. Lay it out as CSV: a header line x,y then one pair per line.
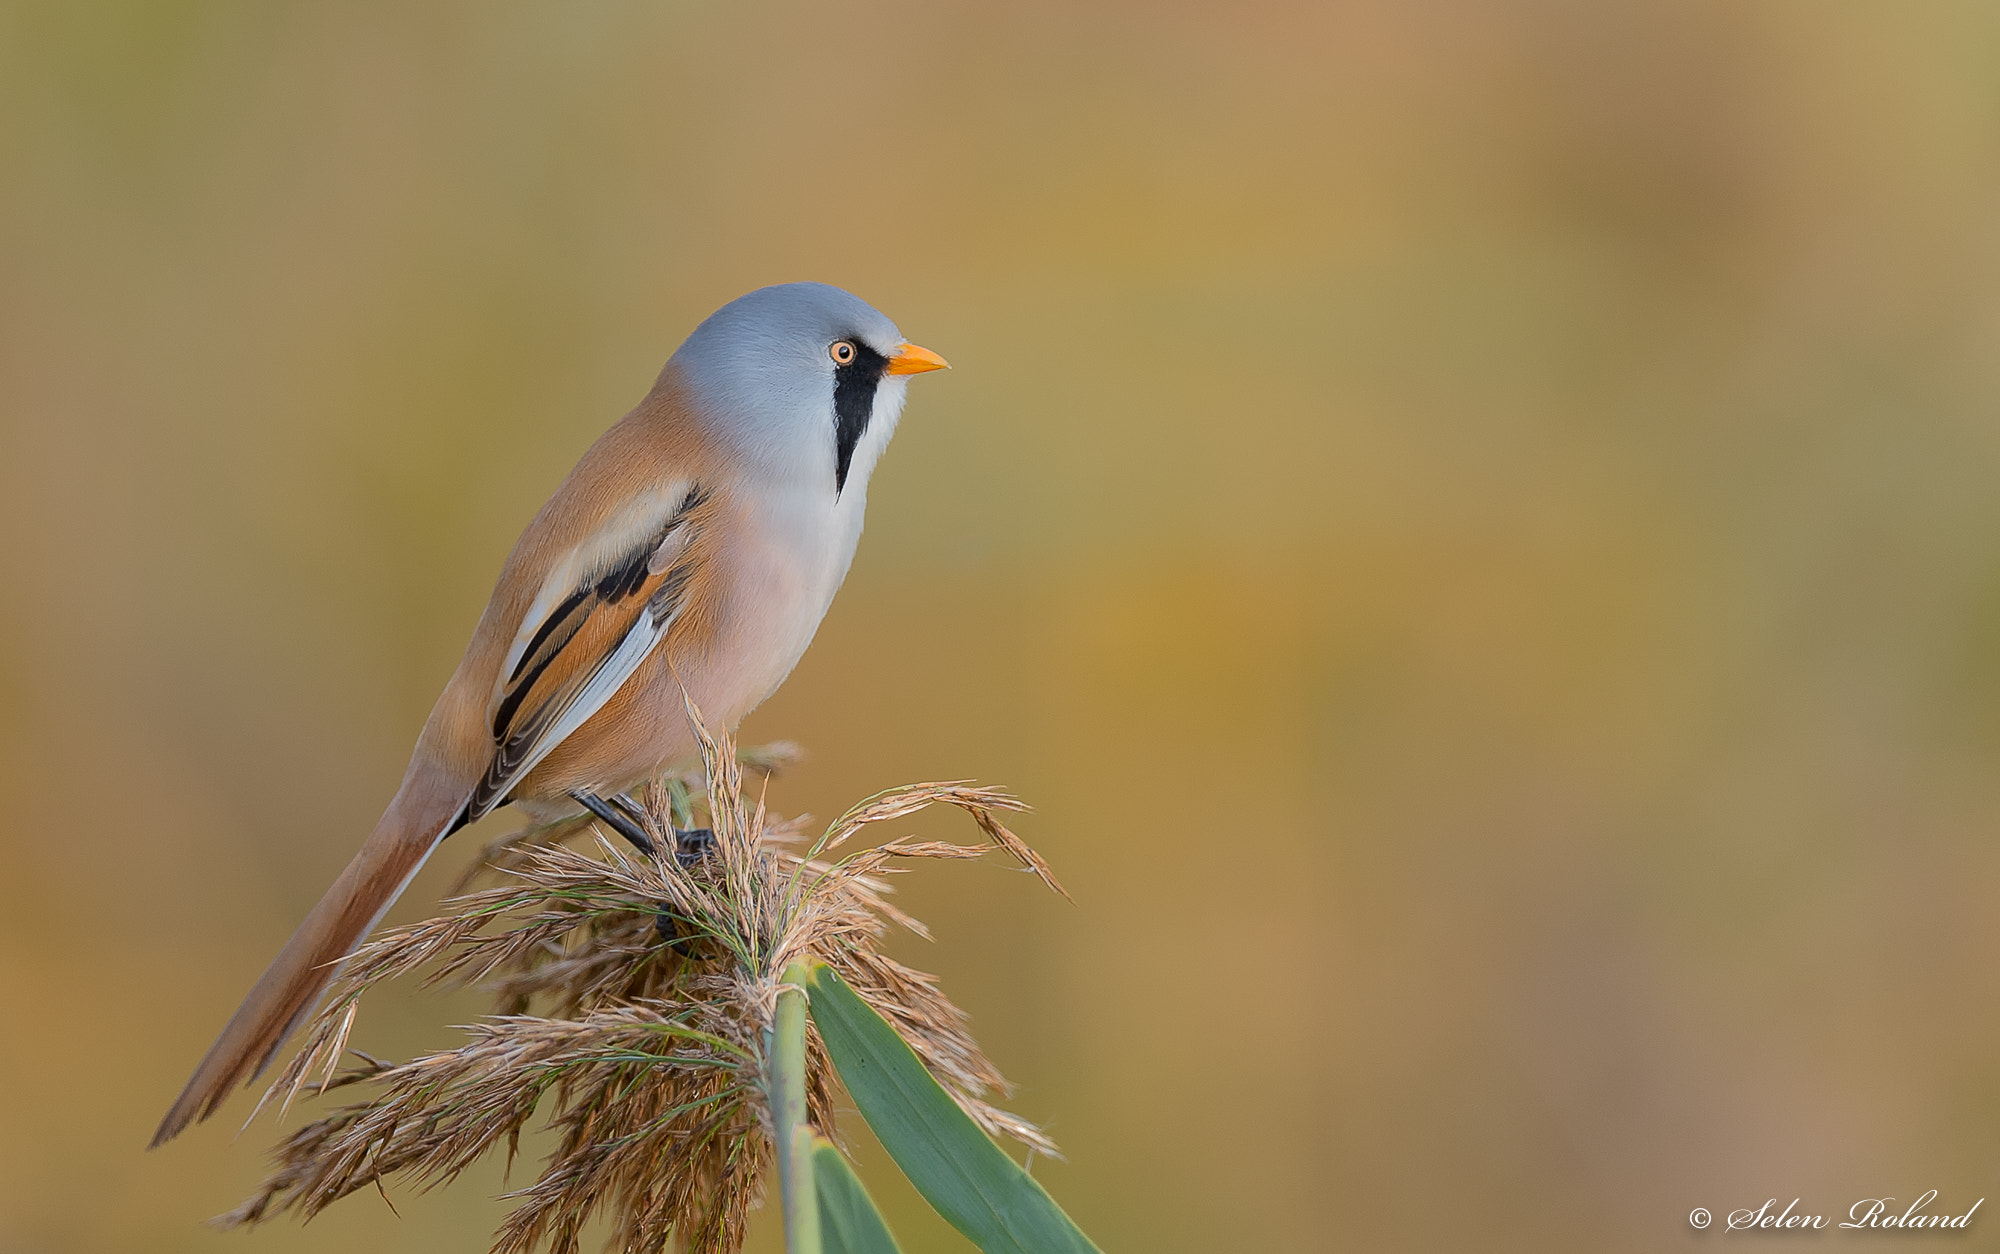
x,y
681,1024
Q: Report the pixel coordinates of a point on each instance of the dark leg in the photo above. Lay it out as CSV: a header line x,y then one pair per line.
x,y
633,810
690,846
618,821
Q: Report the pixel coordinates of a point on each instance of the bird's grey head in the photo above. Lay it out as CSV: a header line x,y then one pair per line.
x,y
802,380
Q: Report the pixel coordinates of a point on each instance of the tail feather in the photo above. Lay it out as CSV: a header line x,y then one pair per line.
x,y
292,984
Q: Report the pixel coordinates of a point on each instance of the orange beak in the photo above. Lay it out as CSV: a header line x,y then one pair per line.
x,y
914,360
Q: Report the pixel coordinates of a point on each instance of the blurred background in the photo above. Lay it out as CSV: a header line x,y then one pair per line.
x,y
1475,525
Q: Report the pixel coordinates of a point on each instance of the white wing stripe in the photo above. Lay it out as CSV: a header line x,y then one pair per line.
x,y
609,676
638,520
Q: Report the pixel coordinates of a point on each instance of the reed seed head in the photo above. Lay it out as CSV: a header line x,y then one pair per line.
x,y
632,1003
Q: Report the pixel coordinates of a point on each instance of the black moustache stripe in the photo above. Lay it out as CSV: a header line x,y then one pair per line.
x,y
853,403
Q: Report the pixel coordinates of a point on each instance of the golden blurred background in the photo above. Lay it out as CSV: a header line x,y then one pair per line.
x,y
1478,527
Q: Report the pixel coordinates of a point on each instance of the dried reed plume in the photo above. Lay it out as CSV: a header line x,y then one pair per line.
x,y
655,983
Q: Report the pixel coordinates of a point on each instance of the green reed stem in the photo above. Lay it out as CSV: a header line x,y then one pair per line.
x,y
785,1084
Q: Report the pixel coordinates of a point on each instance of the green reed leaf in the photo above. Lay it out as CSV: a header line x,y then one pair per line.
x,y
848,1220
957,1167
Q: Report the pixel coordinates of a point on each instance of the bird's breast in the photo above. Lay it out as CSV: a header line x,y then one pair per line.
x,y
779,564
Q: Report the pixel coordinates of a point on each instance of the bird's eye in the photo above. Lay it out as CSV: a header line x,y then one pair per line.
x,y
842,352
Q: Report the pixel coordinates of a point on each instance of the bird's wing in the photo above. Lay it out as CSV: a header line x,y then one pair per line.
x,y
600,611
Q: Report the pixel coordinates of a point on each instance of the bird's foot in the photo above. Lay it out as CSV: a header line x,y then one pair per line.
x,y
630,820
692,845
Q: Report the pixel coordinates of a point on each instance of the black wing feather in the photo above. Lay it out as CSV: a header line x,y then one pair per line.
x,y
515,742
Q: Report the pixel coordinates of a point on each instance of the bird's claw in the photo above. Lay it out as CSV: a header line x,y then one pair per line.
x,y
692,845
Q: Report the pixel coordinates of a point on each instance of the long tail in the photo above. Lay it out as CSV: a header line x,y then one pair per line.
x,y
415,823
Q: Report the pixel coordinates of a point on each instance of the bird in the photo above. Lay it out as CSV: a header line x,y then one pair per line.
x,y
687,560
